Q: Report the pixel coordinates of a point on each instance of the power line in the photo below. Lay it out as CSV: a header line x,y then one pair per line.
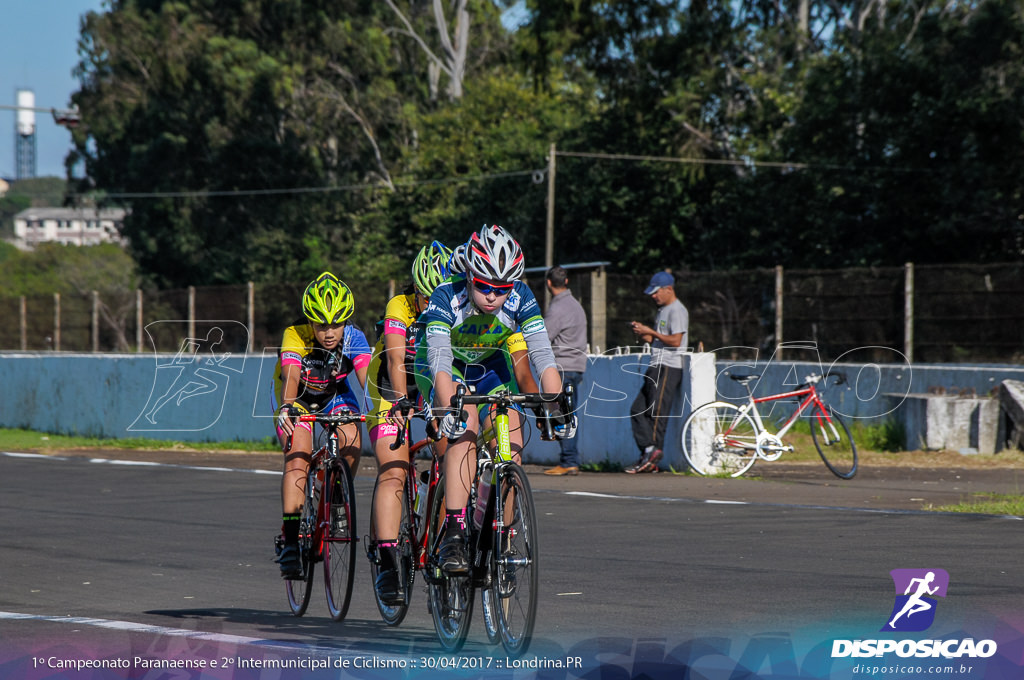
x,y
782,165
323,189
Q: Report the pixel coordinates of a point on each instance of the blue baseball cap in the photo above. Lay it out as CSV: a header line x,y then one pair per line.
x,y
659,280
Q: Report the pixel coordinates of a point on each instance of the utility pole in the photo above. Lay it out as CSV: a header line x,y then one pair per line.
x,y
549,236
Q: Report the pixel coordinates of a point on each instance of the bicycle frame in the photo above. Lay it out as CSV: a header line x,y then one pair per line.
x,y
811,398
320,460
808,399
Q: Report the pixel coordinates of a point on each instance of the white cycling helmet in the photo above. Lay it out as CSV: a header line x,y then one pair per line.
x,y
493,255
457,262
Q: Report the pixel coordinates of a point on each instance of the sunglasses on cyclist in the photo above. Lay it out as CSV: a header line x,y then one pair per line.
x,y
485,288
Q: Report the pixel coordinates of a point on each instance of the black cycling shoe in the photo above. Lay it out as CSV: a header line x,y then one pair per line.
x,y
291,563
387,588
452,555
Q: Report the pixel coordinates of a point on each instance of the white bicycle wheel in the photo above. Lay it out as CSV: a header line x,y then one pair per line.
x,y
720,439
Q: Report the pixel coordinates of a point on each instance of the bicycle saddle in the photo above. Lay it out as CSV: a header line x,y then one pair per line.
x,y
744,379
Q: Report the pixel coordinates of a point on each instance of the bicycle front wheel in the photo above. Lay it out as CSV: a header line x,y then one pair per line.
x,y
450,598
834,443
393,614
339,538
514,563
299,590
720,439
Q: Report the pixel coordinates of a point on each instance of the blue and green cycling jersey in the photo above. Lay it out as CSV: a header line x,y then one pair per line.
x,y
457,333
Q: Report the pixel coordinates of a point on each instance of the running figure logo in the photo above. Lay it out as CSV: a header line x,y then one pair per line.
x,y
916,589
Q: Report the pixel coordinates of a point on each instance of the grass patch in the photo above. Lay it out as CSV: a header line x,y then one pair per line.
x,y
30,440
602,466
989,504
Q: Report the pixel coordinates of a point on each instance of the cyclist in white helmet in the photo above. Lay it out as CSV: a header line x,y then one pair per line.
x,y
467,322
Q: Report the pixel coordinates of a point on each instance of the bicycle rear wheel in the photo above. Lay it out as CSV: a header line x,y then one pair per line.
x,y
450,598
514,563
834,443
393,614
339,538
720,439
299,590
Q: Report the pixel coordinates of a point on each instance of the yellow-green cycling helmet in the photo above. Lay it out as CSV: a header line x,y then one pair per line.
x,y
327,300
430,267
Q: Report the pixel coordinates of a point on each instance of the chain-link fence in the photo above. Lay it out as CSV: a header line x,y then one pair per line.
x,y
956,313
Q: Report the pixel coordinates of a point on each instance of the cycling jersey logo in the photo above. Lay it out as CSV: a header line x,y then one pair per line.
x,y
916,590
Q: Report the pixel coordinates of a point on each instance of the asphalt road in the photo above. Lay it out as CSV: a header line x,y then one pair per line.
x,y
103,559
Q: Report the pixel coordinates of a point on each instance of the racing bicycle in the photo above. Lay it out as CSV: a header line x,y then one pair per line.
x,y
721,438
502,535
418,494
327,522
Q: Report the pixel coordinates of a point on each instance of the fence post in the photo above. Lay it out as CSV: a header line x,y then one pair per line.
x,y
191,311
95,321
56,322
779,290
251,320
23,322
138,320
549,229
908,311
598,310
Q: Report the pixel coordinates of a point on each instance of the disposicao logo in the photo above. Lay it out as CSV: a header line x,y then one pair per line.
x,y
916,590
914,610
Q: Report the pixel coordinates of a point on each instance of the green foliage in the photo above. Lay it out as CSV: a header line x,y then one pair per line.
x,y
291,136
889,436
988,504
30,440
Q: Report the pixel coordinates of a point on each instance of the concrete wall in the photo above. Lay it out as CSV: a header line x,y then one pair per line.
x,y
163,397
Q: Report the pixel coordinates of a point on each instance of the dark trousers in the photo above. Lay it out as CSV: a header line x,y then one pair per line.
x,y
651,409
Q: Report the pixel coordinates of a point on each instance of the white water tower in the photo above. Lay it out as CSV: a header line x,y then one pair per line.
x,y
25,135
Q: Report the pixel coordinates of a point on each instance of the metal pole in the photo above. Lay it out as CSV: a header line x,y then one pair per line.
x,y
908,311
779,289
549,235
23,322
56,322
252,316
95,321
191,311
598,310
138,320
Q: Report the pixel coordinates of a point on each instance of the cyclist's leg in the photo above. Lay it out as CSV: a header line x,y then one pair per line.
x,y
387,499
297,455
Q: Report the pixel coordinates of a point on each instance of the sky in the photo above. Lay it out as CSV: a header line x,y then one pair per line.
x,y
38,51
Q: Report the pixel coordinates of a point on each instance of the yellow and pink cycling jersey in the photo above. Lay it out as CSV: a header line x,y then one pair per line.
x,y
323,384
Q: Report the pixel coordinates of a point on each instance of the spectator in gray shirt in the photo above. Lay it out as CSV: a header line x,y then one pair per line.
x,y
650,411
567,328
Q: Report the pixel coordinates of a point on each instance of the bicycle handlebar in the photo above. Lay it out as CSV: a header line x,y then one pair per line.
x,y
343,418
405,434
534,400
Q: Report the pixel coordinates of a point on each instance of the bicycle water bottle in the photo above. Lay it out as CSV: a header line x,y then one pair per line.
x,y
483,494
421,496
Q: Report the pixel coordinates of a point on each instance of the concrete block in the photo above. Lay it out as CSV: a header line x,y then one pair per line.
x,y
949,422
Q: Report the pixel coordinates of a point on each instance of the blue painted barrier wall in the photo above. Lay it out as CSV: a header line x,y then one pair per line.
x,y
159,397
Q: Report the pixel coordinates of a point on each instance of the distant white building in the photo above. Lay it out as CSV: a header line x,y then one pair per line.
x,y
70,226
